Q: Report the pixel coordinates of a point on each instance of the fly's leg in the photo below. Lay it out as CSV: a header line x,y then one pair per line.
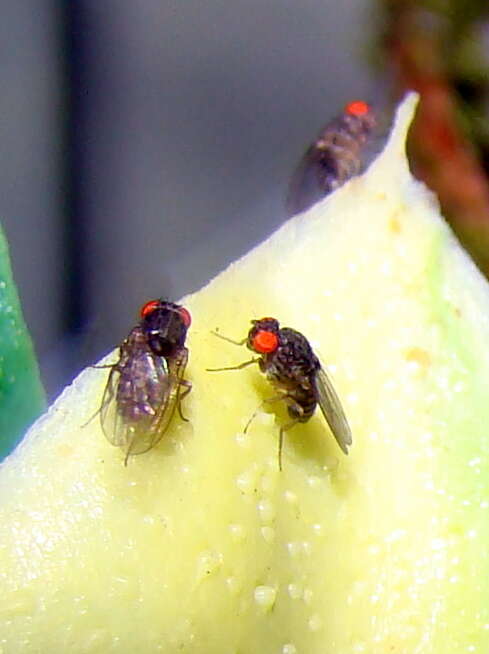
x,y
289,425
188,388
268,400
128,452
240,367
291,403
229,340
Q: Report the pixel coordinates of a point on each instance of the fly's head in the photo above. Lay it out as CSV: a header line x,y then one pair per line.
x,y
363,114
263,337
165,325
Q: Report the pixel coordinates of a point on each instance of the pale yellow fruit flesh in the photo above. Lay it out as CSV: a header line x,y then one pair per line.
x,y
202,545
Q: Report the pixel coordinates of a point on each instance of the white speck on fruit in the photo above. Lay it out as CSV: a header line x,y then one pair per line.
x,y
237,533
267,483
294,549
352,398
373,550
290,497
208,563
289,648
295,591
315,623
265,597
426,437
242,439
331,463
233,584
268,534
308,595
266,511
246,482
313,481
395,536
459,387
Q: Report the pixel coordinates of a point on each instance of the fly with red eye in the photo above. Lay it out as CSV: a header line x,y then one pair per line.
x,y
342,149
146,384
289,363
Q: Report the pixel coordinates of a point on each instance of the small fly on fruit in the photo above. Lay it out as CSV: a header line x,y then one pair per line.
x,y
289,363
146,384
338,153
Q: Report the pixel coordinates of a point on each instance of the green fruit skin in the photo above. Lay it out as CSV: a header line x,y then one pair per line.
x,y
22,397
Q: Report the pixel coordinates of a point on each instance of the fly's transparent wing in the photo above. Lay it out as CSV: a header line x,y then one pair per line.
x,y
135,416
332,410
167,408
108,413
304,188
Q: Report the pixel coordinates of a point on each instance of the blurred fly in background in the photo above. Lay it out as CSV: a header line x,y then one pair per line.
x,y
340,151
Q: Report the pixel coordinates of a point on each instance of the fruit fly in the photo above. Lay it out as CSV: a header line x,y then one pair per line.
x,y
337,154
145,385
288,361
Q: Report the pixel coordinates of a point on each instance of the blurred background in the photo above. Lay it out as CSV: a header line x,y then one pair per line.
x,y
147,145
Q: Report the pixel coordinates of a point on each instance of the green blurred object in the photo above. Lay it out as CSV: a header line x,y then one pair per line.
x,y
22,396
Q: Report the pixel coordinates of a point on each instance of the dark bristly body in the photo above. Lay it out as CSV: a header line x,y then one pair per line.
x,y
288,361
336,155
145,384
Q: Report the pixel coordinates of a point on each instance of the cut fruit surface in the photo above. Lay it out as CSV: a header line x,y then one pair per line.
x,y
202,545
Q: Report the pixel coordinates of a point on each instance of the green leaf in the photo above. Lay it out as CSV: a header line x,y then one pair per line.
x,y
22,396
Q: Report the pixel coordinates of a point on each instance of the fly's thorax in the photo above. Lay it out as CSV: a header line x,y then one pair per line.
x,y
165,330
292,369
295,353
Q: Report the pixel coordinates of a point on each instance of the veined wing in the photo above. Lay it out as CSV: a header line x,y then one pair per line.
x,y
108,413
332,410
139,402
167,408
304,187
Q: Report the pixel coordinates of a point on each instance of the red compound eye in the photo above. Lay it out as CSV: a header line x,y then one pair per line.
x,y
357,108
264,341
149,307
185,316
